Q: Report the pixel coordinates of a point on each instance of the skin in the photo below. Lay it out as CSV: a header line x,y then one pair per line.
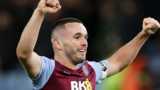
x,y
70,42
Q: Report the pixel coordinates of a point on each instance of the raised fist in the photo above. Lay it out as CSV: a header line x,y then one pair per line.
x,y
150,25
49,6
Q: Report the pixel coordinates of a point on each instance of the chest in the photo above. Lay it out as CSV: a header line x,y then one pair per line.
x,y
65,79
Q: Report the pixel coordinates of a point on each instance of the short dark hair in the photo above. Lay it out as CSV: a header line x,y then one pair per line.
x,y
63,21
66,20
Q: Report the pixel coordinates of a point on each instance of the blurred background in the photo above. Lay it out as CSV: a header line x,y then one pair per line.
x,y
110,24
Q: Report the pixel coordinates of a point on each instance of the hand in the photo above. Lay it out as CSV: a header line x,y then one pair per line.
x,y
150,25
49,6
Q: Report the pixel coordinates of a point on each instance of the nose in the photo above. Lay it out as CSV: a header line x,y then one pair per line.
x,y
84,42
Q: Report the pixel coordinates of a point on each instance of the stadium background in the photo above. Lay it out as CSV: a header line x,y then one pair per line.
x,y
110,23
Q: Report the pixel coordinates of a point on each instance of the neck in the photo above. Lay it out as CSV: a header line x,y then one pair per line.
x,y
62,59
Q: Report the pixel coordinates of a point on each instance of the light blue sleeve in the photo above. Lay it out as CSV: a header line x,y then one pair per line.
x,y
100,69
46,70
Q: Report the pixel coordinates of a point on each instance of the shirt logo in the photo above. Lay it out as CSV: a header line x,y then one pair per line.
x,y
81,85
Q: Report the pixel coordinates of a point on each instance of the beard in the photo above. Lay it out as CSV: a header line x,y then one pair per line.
x,y
75,62
77,59
75,56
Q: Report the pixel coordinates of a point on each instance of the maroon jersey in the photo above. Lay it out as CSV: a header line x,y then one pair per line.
x,y
64,78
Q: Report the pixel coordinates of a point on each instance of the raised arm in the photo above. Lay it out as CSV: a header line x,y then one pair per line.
x,y
25,49
126,54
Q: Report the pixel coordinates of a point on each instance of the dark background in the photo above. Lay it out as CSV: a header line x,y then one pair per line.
x,y
110,24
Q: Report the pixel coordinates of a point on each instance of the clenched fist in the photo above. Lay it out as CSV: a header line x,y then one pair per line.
x,y
48,6
150,25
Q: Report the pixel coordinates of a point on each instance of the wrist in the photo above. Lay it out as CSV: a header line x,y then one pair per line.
x,y
145,33
39,12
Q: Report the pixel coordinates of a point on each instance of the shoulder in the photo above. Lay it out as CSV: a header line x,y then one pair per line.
x,y
47,69
100,68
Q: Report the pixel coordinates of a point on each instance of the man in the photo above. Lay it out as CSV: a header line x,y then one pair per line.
x,y
70,70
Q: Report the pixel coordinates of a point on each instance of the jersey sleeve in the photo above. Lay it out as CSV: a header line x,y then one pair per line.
x,y
47,68
101,69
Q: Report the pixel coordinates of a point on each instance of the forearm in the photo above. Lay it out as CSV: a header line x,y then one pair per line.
x,y
128,52
25,49
30,33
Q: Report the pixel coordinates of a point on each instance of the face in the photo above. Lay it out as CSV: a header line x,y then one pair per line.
x,y
74,42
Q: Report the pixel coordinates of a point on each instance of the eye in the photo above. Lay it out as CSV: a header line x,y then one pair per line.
x,y
80,35
77,36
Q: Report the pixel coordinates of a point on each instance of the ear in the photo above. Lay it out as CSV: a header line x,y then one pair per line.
x,y
56,44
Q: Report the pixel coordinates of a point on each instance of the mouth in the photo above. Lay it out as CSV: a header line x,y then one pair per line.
x,y
82,53
83,50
